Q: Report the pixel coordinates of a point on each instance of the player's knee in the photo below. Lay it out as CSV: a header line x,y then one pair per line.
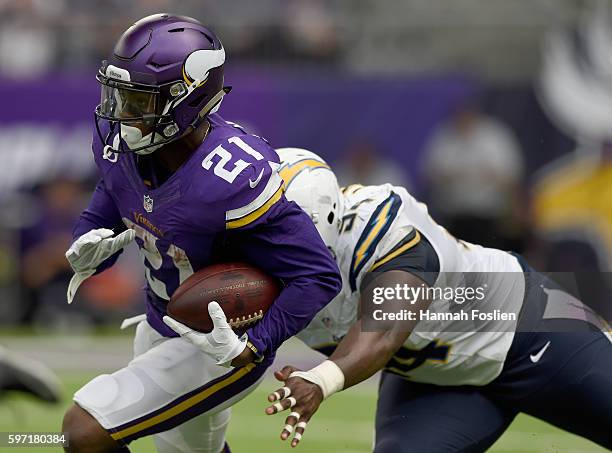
x,y
85,434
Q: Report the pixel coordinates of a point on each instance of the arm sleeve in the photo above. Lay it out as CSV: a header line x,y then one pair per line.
x,y
101,212
288,246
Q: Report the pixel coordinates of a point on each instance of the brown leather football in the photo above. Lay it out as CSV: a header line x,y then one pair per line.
x,y
244,292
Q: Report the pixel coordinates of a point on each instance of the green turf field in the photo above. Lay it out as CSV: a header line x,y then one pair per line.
x,y
343,425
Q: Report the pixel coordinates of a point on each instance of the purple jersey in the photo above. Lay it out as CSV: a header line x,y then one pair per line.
x,y
229,190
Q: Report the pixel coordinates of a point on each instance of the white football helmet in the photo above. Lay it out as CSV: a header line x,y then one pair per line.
x,y
313,186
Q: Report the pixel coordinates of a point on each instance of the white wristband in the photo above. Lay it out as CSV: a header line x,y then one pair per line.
x,y
327,375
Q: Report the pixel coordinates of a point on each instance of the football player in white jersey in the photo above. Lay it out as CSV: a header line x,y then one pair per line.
x,y
444,386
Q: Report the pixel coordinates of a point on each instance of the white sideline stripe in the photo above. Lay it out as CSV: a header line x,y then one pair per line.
x,y
274,182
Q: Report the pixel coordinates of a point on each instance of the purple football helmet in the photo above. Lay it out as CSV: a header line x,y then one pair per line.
x,y
162,79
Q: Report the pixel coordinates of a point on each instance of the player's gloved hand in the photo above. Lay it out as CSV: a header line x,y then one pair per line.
x,y
299,395
88,251
222,343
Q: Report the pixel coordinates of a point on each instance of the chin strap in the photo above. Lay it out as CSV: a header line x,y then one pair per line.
x,y
210,105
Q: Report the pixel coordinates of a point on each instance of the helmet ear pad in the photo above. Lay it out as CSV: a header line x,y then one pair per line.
x,y
197,104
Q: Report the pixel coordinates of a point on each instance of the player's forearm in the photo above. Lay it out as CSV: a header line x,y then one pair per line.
x,y
361,354
289,247
100,213
293,310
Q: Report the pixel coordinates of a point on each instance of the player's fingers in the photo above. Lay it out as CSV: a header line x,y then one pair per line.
x,y
217,314
281,393
281,405
87,240
290,422
103,233
300,427
120,241
124,238
93,237
285,372
178,327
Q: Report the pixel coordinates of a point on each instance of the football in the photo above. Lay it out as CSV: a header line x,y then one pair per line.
x,y
244,292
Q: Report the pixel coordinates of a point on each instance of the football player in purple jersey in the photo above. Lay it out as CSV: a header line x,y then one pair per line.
x,y
186,186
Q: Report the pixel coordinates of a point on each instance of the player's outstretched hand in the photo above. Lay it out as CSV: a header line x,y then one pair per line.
x,y
90,250
222,343
302,397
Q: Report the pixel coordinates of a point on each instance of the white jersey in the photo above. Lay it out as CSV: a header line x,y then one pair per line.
x,y
378,218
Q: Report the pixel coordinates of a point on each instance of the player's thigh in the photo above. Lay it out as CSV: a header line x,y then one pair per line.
x,y
203,434
167,385
414,417
579,396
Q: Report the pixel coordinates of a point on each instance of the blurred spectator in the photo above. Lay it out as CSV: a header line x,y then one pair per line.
x,y
28,42
573,194
312,31
45,272
364,164
473,173
44,269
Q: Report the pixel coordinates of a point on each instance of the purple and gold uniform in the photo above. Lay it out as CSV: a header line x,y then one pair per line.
x,y
227,192
229,188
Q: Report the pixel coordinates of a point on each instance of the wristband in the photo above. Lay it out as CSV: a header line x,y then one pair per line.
x,y
258,357
328,376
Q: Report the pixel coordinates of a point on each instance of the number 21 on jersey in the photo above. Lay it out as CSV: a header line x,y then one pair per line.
x,y
222,166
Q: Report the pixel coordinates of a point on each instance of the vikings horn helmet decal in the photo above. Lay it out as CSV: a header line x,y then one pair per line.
x,y
162,79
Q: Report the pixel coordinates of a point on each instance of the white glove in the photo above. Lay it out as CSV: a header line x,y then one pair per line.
x,y
222,344
91,249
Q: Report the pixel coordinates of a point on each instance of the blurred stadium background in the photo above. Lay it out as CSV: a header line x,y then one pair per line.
x,y
496,113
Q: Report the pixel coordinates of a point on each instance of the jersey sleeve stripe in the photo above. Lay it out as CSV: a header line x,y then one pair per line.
x,y
379,223
250,218
350,190
289,172
405,244
272,186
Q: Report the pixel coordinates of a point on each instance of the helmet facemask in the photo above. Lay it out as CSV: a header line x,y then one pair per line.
x,y
143,114
138,112
164,76
326,214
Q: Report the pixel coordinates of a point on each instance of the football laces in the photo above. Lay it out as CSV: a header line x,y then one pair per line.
x,y
245,320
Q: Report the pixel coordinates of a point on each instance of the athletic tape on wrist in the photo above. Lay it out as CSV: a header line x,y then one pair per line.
x,y
328,376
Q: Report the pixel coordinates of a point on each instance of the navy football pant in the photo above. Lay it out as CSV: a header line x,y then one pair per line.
x,y
569,387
